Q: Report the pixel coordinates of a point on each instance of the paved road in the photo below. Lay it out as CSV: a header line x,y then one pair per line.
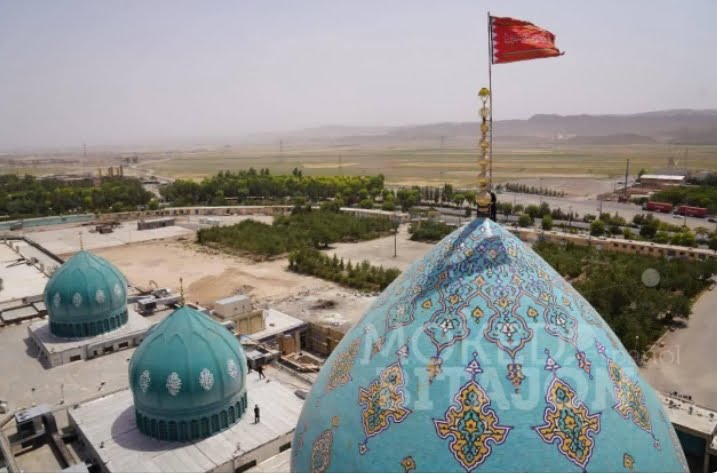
x,y
591,206
686,363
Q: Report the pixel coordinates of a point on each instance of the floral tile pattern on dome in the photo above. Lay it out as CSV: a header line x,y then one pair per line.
x,y
568,421
383,401
472,424
630,401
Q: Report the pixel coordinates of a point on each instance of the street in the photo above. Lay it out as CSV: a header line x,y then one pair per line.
x,y
592,206
685,361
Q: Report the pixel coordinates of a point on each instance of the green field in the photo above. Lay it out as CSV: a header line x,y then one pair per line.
x,y
434,166
404,165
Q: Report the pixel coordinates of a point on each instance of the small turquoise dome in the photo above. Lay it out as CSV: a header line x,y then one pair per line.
x,y
188,378
480,357
85,297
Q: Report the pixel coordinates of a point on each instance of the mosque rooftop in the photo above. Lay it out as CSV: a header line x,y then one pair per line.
x,y
19,279
107,425
41,330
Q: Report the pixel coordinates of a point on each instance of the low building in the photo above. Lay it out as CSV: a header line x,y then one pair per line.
x,y
661,180
155,223
86,302
283,331
190,406
233,306
696,428
55,350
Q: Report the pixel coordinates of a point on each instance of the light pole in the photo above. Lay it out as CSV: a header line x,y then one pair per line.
x,y
395,234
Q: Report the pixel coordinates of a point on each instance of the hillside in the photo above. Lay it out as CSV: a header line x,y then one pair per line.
x,y
680,126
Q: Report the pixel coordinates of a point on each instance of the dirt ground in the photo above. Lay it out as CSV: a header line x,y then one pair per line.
x,y
380,251
210,275
207,274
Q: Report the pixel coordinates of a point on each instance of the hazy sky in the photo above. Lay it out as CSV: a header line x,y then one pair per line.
x,y
128,72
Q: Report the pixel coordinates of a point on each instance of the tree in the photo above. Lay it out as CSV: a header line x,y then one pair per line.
x,y
547,222
533,211
597,227
649,228
712,242
525,220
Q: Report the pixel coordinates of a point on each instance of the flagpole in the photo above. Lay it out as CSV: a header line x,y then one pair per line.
x,y
490,88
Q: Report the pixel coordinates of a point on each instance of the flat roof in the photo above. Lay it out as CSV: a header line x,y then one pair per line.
x,y
699,421
276,323
21,279
232,299
41,330
67,240
666,177
18,314
108,424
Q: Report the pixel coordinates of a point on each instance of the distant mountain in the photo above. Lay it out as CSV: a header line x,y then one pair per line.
x,y
667,126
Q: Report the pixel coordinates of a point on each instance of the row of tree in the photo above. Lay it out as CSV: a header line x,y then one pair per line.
x,y
361,276
525,189
253,185
429,230
29,196
304,227
612,282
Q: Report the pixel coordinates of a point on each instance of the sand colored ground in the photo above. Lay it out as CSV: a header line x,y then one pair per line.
x,y
207,274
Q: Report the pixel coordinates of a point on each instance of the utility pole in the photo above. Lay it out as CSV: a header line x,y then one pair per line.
x,y
627,169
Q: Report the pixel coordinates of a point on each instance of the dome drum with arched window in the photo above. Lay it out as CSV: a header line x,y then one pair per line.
x,y
86,296
188,378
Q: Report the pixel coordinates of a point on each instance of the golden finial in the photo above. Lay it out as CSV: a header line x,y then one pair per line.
x,y
82,247
484,197
181,291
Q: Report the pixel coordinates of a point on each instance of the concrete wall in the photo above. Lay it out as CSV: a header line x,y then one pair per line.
x,y
258,455
250,323
615,245
230,309
84,352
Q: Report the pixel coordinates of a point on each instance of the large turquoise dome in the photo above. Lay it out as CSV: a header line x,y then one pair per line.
x,y
188,378
85,297
480,357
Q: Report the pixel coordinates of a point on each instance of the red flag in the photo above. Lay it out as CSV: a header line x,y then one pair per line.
x,y
517,40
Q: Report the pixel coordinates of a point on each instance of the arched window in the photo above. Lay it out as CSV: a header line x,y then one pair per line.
x,y
215,423
172,435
